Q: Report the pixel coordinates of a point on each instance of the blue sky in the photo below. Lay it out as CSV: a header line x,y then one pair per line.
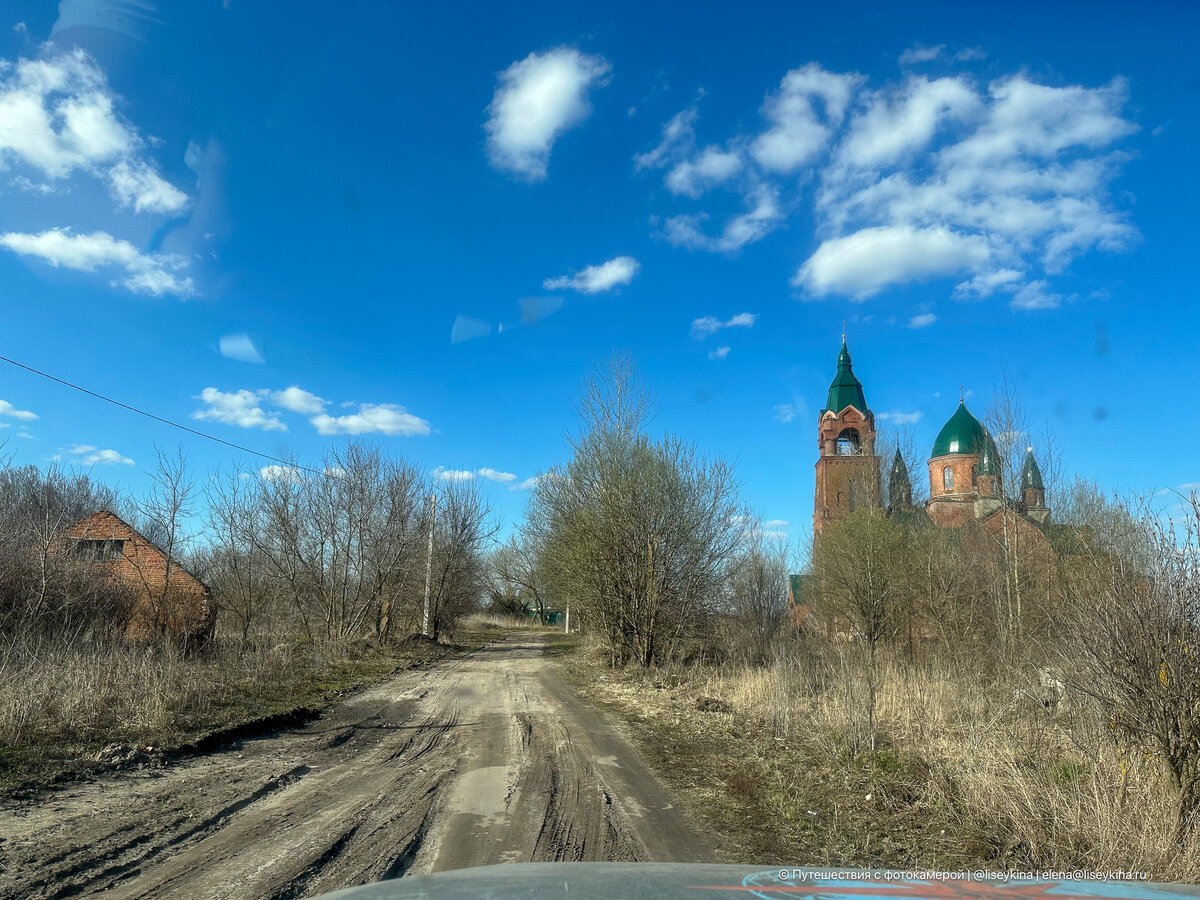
x,y
425,225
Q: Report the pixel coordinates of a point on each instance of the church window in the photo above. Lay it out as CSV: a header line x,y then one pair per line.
x,y
848,443
948,478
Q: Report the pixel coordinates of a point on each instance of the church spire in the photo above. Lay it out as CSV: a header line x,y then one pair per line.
x,y
899,485
846,390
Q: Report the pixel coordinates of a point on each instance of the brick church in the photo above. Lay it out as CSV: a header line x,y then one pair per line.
x,y
964,468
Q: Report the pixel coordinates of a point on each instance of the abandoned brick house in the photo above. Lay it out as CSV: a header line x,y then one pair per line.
x,y
168,598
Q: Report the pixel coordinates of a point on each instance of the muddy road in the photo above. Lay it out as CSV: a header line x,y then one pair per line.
x,y
481,759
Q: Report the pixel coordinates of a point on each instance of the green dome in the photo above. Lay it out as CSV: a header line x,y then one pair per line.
x,y
962,434
846,390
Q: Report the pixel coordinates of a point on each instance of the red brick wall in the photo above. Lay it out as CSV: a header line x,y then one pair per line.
x,y
185,607
831,498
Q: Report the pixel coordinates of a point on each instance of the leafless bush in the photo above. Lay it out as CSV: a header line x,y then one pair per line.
x,y
1132,644
43,590
757,594
634,533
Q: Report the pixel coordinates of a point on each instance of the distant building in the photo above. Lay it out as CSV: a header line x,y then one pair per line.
x,y
964,467
169,600
847,467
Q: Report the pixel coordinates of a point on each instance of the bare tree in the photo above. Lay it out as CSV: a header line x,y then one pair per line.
x,y
635,533
1133,629
42,587
461,530
520,572
758,591
162,516
236,569
862,572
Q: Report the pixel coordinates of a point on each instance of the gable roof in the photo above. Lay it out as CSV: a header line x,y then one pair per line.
x,y
82,531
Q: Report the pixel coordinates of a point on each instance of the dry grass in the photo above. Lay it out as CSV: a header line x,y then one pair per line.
x,y
59,704
968,771
489,621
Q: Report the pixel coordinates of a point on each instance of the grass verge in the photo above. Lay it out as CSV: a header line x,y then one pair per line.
x,y
959,779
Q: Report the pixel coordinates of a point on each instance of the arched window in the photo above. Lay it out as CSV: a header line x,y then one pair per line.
x,y
849,443
948,478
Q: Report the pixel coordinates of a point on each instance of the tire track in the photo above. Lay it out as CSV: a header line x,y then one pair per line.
x,y
483,759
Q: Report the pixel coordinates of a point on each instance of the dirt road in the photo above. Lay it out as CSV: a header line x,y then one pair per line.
x,y
482,759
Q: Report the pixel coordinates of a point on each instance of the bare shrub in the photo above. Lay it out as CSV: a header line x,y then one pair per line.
x,y
634,533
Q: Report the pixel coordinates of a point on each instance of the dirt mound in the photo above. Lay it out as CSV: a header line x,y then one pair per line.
x,y
129,756
712,704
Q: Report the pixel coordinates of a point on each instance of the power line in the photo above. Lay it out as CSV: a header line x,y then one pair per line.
x,y
142,412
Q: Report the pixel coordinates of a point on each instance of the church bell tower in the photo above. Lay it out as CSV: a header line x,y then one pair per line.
x,y
847,468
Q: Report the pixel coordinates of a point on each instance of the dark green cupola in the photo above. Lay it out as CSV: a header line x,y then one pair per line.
x,y
846,390
963,433
1031,475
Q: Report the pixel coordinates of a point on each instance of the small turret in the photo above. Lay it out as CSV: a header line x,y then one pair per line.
x,y
899,486
1033,491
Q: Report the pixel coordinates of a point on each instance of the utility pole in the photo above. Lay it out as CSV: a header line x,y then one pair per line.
x,y
429,562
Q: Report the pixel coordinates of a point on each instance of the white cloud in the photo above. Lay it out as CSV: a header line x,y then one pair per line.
x,y
139,186
298,400
999,185
785,412
493,475
922,320
536,100
7,409
152,273
718,353
713,166
988,283
919,53
763,217
900,418
1035,295
867,261
57,115
899,122
678,138
804,112
240,408
372,418
598,278
528,484
706,325
776,523
444,474
87,455
290,474
240,347
22,183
